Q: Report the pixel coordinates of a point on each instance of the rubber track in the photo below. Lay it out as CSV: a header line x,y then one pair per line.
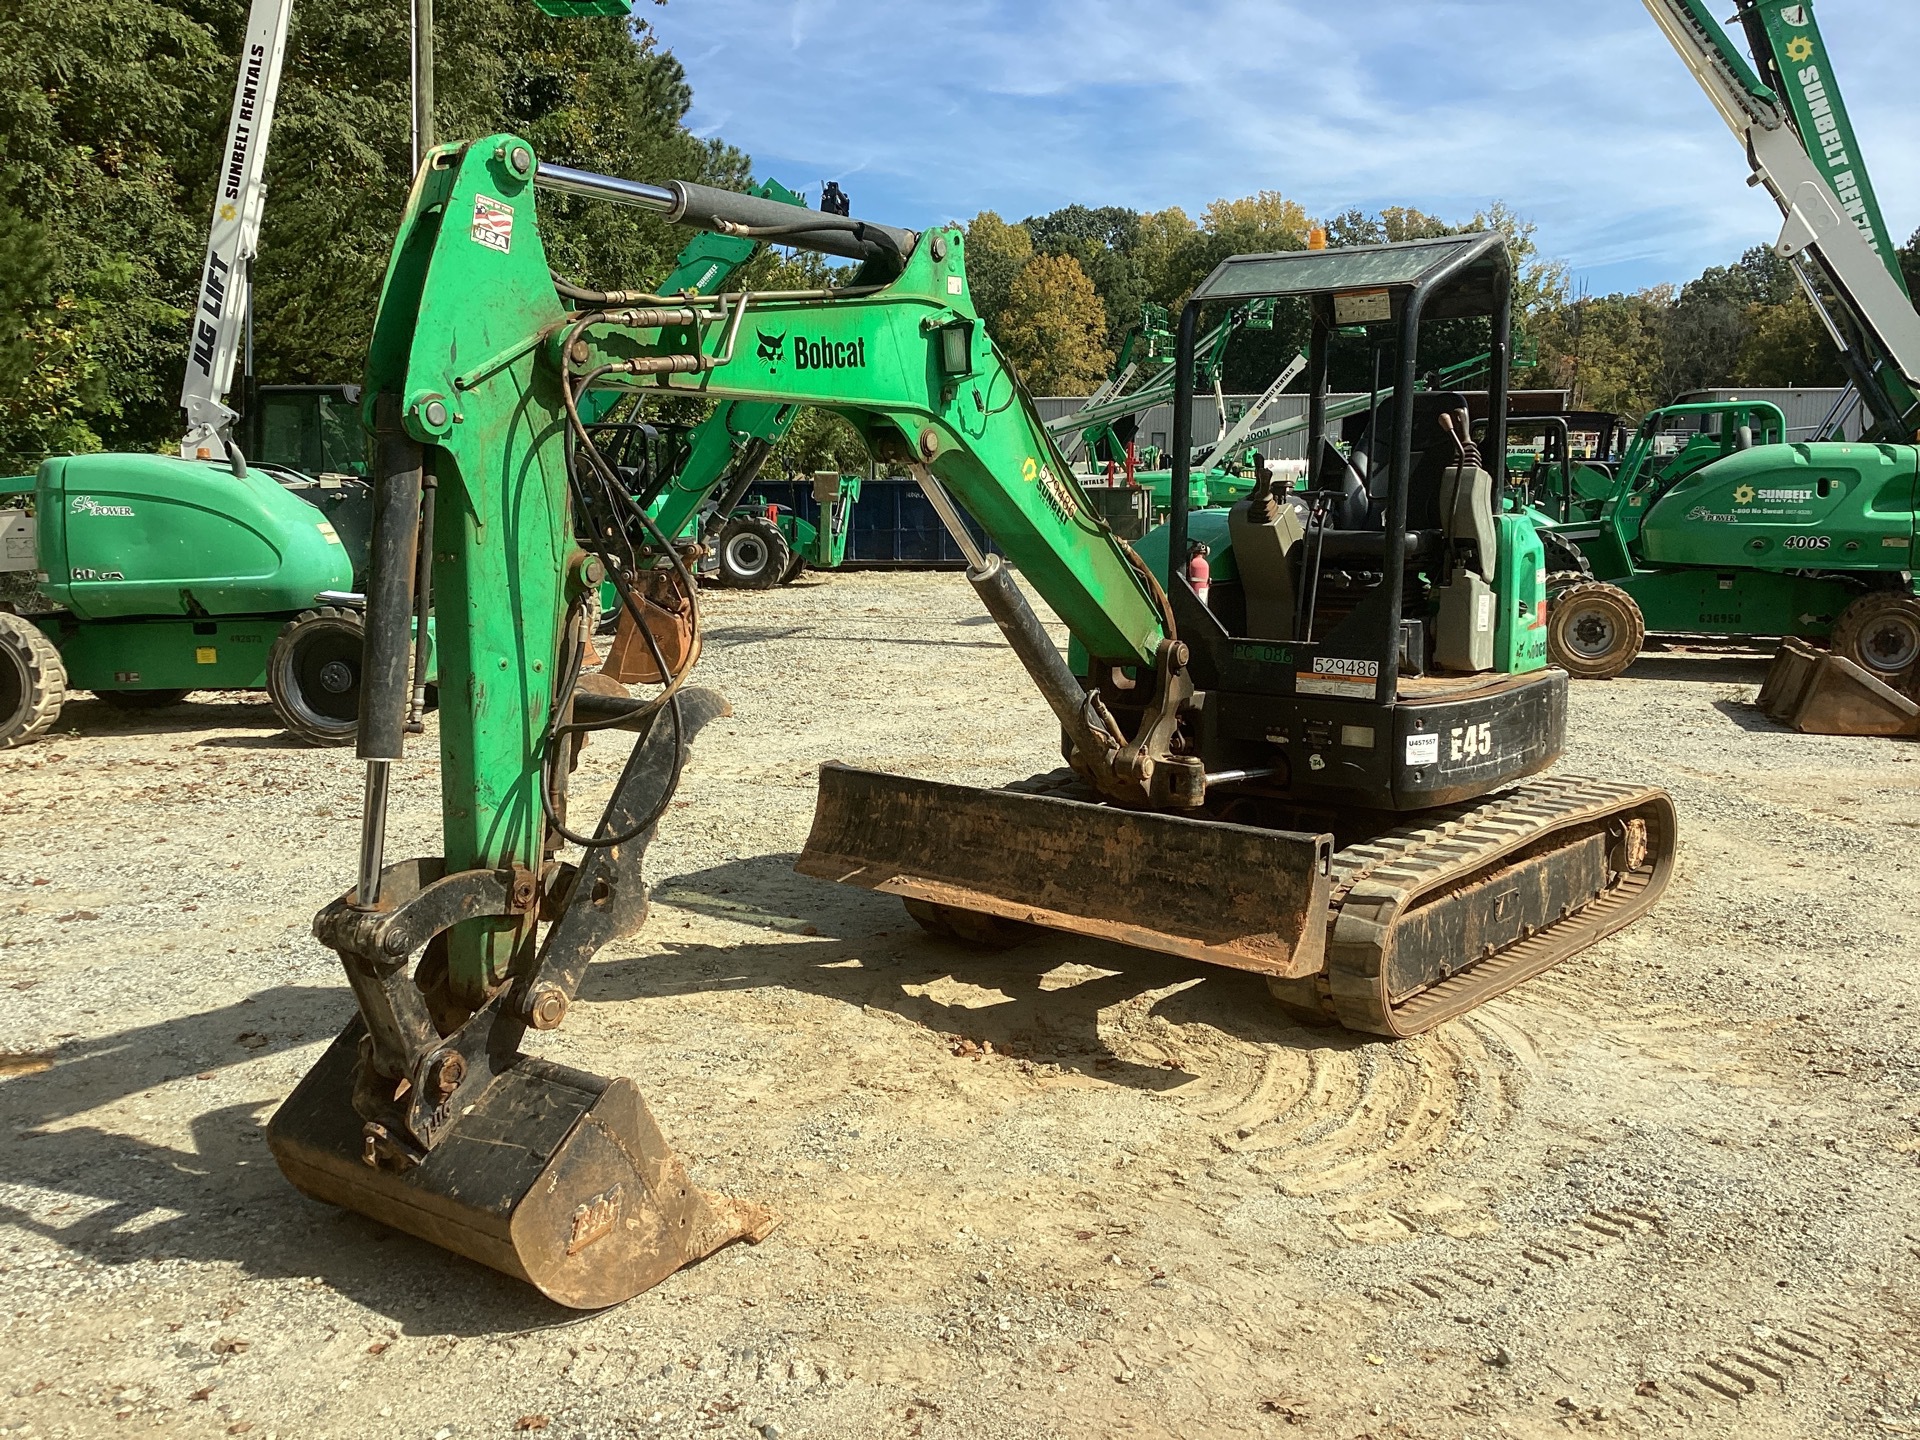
x,y
1377,882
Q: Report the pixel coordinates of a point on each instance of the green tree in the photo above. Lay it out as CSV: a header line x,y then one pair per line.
x,y
1162,238
47,384
1054,327
996,254
1104,242
1786,344
103,108
115,114
593,92
1606,349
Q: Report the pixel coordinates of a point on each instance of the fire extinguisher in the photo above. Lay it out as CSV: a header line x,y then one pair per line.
x,y
1199,573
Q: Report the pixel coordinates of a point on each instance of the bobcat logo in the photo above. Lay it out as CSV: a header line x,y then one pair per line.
x,y
771,346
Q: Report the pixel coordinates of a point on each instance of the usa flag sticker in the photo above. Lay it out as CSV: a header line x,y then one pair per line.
x,y
492,223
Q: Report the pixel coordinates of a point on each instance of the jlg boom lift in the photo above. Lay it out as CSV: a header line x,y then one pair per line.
x,y
1323,777
163,574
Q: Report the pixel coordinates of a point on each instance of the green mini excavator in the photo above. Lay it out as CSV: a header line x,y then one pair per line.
x,y
1328,770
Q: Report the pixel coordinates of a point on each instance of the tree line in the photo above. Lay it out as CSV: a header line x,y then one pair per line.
x,y
115,114
1060,292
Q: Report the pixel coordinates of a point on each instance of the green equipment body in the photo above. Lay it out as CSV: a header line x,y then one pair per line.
x,y
160,576
127,536
1740,533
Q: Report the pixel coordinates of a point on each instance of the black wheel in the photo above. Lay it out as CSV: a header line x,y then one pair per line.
x,y
752,554
313,675
33,682
1881,634
970,927
795,569
141,699
1594,630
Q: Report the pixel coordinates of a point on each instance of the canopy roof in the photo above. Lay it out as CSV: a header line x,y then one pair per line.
x,y
1473,269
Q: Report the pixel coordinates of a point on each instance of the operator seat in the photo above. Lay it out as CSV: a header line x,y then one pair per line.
x,y
1451,531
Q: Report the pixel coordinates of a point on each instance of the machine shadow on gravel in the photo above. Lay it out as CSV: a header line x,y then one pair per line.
x,y
726,637
1752,719
1052,1026
95,718
221,1200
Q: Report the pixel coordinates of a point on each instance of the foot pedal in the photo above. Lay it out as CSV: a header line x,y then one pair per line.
x,y
555,1176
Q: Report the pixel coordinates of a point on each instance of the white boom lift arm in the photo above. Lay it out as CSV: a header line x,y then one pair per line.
x,y
219,312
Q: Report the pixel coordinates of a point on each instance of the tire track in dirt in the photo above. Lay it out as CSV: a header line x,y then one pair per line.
x,y
1742,1377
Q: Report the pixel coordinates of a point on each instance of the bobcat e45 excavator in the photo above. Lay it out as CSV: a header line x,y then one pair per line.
x,y
1323,776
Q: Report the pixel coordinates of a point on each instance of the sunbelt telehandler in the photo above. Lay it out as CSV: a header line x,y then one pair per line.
x,y
1325,776
1743,533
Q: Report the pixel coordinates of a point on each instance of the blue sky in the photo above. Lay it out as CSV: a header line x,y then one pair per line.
x,y
1576,112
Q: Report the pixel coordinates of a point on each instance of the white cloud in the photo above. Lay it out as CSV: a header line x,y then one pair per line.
x,y
1581,118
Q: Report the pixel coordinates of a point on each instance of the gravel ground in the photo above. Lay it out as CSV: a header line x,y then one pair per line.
x,y
1665,1189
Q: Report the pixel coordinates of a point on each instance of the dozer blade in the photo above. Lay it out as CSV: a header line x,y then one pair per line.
x,y
555,1176
1228,894
1821,694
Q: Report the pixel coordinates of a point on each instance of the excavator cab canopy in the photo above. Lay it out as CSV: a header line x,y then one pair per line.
x,y
1404,518
1470,274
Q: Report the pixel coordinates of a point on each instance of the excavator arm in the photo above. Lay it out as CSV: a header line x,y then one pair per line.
x,y
480,381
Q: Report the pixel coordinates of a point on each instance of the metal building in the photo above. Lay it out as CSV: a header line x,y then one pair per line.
x,y
1807,408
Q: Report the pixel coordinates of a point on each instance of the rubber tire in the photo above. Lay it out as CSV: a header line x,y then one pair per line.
x,y
752,554
33,682
1616,608
795,569
136,700
307,694
972,928
1885,614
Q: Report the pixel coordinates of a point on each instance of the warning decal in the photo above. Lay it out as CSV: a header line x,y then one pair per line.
x,y
492,223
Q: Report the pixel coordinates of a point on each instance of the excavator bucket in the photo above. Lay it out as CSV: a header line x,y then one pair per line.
x,y
549,1174
1232,895
555,1176
1821,694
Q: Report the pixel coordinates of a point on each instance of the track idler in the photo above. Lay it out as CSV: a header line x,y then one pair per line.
x,y
438,1125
